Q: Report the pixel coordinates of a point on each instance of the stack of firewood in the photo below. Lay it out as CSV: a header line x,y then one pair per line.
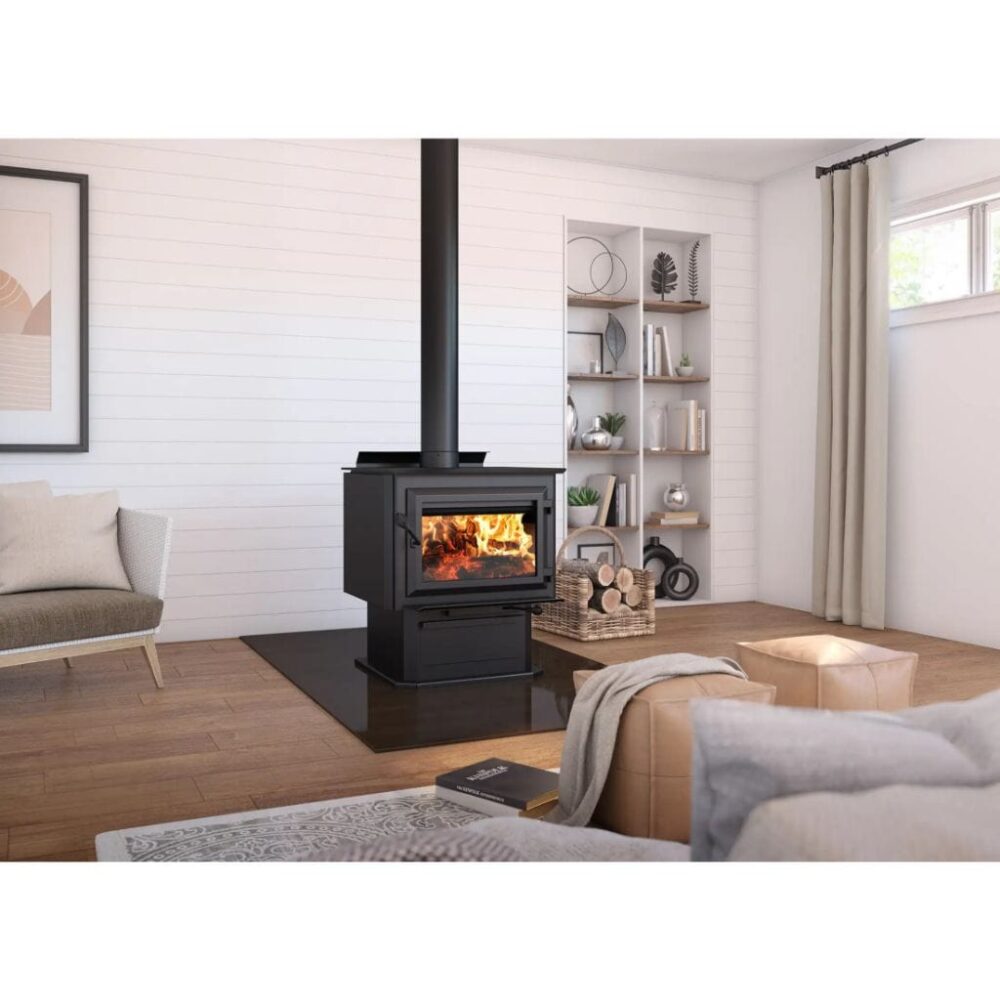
x,y
609,588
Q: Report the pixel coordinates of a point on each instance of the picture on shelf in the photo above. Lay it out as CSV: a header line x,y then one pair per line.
x,y
583,349
596,552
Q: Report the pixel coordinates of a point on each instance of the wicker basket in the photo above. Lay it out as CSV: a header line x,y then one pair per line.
x,y
570,615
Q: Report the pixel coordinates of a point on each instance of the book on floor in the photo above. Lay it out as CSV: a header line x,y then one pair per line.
x,y
499,787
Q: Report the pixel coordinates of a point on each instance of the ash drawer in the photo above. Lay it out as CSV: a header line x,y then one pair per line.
x,y
483,644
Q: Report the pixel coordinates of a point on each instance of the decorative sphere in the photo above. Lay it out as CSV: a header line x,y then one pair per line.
x,y
676,497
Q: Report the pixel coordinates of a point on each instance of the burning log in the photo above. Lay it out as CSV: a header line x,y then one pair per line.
x,y
606,599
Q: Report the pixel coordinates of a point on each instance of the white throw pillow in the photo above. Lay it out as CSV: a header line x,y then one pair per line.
x,y
36,490
746,754
55,543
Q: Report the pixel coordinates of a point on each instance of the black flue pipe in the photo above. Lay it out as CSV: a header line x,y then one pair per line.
x,y
439,303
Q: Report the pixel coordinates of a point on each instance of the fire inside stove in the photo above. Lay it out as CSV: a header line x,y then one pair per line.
x,y
477,547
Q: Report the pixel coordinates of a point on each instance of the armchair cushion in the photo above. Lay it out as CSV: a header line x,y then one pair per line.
x,y
49,616
55,543
32,491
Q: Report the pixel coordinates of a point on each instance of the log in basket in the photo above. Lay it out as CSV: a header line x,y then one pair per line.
x,y
574,614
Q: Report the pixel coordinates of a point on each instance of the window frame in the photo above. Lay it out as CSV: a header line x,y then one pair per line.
x,y
990,208
974,203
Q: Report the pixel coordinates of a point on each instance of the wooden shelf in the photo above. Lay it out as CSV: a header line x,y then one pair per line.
x,y
601,301
676,527
673,378
656,306
674,453
601,452
604,377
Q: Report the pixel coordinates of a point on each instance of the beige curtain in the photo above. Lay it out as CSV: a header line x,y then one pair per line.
x,y
852,425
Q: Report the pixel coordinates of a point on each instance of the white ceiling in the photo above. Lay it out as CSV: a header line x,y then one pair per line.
x,y
747,160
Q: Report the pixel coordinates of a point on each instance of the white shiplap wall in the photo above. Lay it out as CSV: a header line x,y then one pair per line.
x,y
254,321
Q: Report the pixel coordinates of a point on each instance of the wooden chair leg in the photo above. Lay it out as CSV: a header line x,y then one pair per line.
x,y
67,661
149,648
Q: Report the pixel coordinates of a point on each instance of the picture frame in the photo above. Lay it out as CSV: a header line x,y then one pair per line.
x,y
579,352
44,311
593,552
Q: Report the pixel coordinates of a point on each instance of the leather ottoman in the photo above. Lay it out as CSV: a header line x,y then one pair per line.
x,y
825,671
648,791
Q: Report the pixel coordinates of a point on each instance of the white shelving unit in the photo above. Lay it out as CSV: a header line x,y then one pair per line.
x,y
628,391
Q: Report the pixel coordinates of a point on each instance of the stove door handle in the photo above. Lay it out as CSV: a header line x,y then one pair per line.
x,y
415,542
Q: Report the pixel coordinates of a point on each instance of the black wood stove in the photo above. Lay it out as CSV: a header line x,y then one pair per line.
x,y
451,555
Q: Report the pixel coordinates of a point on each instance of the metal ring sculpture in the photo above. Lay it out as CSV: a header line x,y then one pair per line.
x,y
605,251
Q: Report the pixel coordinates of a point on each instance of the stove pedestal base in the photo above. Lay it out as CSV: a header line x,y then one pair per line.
x,y
443,645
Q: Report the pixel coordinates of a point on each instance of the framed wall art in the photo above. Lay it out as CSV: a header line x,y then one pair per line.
x,y
43,310
596,552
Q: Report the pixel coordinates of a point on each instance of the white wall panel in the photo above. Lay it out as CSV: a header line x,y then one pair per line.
x,y
255,321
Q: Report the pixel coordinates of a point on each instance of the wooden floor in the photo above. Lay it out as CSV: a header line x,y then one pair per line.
x,y
97,747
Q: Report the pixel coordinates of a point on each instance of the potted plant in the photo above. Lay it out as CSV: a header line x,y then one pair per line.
x,y
613,423
685,368
583,503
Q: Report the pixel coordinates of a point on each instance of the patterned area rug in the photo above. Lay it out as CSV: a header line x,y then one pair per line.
x,y
286,832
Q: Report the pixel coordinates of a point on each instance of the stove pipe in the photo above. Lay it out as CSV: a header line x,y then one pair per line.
x,y
439,303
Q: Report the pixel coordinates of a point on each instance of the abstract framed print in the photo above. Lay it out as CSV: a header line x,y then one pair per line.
x,y
43,310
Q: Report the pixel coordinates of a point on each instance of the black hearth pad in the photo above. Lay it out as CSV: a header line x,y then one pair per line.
x,y
384,717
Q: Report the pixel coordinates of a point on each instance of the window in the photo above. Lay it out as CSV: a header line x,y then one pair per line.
x,y
994,232
944,255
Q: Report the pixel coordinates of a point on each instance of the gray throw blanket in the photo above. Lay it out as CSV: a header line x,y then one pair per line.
x,y
593,725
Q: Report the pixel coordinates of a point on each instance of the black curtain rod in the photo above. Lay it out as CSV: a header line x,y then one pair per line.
x,y
884,151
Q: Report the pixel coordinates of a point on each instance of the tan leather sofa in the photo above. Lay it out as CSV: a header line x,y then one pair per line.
x,y
648,791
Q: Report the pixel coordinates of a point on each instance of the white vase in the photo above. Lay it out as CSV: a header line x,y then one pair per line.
x,y
582,517
617,442
686,371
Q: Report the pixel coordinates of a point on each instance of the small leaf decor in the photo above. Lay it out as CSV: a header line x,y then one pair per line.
x,y
692,274
615,338
612,423
664,276
582,496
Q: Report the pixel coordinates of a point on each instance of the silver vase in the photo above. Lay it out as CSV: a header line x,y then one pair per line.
x,y
572,421
597,438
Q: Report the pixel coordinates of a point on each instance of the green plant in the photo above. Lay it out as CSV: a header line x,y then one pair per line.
x,y
612,423
582,496
686,360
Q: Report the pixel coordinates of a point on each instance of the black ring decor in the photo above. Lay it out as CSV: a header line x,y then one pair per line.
x,y
605,251
613,256
672,577
658,559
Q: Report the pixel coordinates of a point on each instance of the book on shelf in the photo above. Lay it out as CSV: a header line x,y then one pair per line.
x,y
633,507
498,787
669,517
702,431
604,484
621,503
667,359
648,344
682,426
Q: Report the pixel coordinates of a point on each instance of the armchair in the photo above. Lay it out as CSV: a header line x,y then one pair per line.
x,y
52,624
